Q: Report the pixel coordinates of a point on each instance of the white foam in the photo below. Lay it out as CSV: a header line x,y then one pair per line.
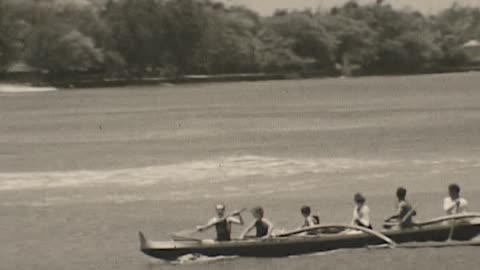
x,y
233,176
200,259
219,170
19,88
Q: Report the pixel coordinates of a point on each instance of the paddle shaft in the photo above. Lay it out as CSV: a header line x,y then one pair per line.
x,y
452,227
408,215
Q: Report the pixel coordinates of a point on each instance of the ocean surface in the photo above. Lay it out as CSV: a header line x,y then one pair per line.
x,y
82,171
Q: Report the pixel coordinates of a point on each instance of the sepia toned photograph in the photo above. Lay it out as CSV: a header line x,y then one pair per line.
x,y
239,134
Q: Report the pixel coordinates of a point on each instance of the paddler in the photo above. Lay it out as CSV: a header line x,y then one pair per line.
x,y
454,204
404,213
223,225
262,225
361,212
309,220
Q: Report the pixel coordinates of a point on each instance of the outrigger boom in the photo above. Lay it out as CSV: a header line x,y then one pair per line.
x,y
318,228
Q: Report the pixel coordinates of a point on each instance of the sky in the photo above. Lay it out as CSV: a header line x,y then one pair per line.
x,y
266,7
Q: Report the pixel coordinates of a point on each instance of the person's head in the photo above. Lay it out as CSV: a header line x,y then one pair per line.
x,y
359,199
257,212
305,211
401,193
454,191
220,208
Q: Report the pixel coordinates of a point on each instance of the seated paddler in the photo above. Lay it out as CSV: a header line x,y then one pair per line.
x,y
454,203
222,223
263,227
361,212
309,220
403,217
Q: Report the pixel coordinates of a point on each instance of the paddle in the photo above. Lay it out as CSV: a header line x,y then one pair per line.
x,y
452,227
185,235
409,214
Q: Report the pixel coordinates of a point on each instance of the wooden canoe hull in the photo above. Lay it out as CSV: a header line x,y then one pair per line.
x,y
297,245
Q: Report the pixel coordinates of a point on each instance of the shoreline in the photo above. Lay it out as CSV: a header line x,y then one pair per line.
x,y
75,81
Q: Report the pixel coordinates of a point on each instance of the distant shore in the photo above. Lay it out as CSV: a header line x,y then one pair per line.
x,y
119,82
74,81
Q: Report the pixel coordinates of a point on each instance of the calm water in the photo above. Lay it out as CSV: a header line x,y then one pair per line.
x,y
81,172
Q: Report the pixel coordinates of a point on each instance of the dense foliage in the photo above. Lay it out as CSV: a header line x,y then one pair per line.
x,y
139,38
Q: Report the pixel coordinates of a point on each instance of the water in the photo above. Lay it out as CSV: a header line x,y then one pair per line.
x,y
81,172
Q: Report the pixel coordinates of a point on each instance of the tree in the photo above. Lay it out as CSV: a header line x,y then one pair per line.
x,y
395,41
453,27
405,44
354,41
61,51
185,24
175,37
228,42
9,39
309,40
274,53
136,37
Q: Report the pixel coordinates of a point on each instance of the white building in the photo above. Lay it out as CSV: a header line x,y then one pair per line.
x,y
472,50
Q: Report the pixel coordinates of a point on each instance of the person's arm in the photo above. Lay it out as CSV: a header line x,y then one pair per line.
x,y
235,220
397,214
247,230
270,227
449,204
389,219
210,224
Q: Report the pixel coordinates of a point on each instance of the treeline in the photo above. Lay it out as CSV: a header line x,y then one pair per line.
x,y
137,38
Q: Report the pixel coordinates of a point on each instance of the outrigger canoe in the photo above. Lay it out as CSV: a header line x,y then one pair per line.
x,y
451,229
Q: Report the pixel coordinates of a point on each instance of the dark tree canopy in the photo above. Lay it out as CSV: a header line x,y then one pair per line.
x,y
175,37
